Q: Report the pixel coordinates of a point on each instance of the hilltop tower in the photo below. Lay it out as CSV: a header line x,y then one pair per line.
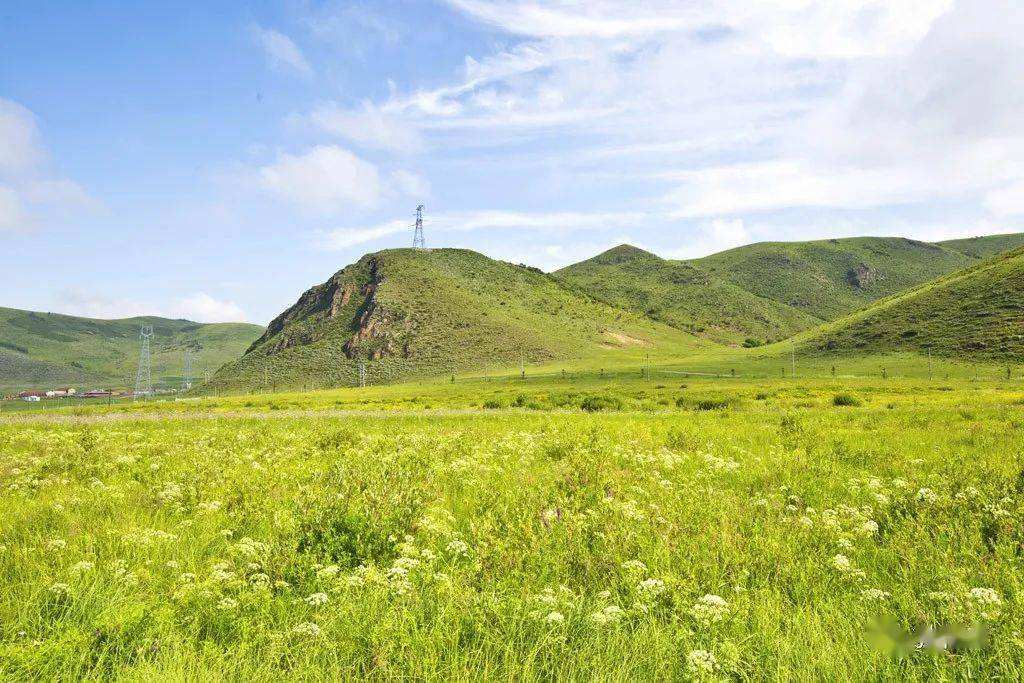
x,y
417,238
144,377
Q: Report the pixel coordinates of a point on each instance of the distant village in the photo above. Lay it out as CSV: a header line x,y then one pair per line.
x,y
33,395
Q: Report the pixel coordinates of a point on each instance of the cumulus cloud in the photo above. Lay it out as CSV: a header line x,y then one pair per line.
x,y
199,307
325,179
204,308
281,52
20,151
28,190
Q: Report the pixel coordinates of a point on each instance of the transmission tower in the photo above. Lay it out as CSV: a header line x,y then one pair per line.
x,y
144,377
362,373
186,383
417,238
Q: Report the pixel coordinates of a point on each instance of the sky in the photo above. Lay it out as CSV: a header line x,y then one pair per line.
x,y
212,161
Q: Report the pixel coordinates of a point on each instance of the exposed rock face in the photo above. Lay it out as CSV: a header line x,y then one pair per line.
x,y
861,276
345,304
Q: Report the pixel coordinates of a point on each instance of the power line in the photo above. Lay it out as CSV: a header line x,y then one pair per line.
x,y
418,242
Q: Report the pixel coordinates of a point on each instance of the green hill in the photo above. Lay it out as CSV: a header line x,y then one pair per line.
x,y
411,313
976,312
42,350
771,290
683,295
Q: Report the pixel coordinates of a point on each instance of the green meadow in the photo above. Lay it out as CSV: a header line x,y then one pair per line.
x,y
628,522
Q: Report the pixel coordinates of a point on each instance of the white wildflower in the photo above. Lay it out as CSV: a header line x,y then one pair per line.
x,y
227,604
306,629
651,587
868,528
701,663
317,599
710,609
457,547
874,594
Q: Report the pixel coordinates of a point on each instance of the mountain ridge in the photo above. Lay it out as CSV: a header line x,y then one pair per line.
x,y
40,349
768,291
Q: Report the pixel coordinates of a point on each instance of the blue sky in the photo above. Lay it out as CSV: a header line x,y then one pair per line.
x,y
214,160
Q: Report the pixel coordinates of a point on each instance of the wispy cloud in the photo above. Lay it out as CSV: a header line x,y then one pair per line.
x,y
281,52
474,221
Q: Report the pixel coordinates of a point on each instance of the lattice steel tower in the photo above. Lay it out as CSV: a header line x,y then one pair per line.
x,y
144,377
417,238
186,383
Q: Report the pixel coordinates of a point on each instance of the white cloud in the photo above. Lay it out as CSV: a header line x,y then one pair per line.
x,y
281,51
60,192
326,179
20,151
368,126
1006,201
30,191
12,213
410,184
204,308
474,221
200,307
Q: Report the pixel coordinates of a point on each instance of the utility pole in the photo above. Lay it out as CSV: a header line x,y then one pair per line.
x,y
792,349
418,242
362,373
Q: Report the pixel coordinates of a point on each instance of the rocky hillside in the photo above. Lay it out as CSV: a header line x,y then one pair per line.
x,y
409,313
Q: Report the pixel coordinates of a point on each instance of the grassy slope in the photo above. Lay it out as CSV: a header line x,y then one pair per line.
x,y
682,295
44,349
978,311
419,313
774,289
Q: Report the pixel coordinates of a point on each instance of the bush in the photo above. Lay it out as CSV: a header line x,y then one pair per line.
x,y
493,404
749,343
593,404
707,403
845,399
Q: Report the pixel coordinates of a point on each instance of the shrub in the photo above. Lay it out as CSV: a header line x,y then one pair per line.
x,y
493,404
707,403
845,399
593,404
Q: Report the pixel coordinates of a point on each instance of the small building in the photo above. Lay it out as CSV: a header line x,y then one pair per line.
x,y
96,393
31,398
59,393
30,393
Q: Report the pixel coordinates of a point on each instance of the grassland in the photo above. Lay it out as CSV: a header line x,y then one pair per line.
x,y
771,290
975,312
735,528
433,313
43,350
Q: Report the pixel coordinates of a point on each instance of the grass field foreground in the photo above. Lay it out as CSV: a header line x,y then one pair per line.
x,y
783,537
